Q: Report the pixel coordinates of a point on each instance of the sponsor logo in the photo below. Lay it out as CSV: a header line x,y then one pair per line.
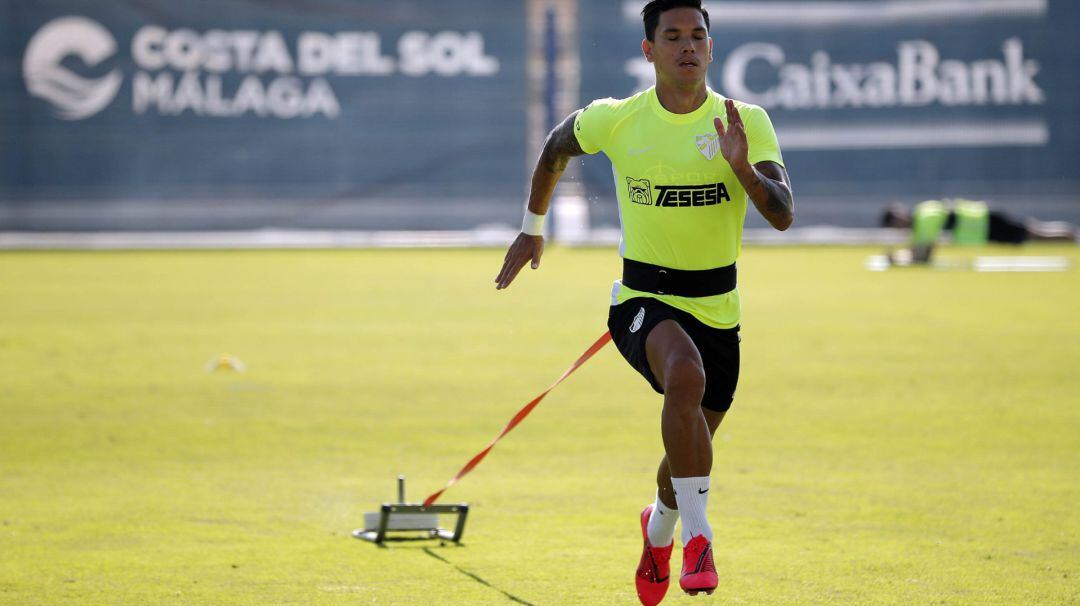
x,y
638,319
692,195
919,76
708,144
73,97
183,70
639,151
232,73
640,191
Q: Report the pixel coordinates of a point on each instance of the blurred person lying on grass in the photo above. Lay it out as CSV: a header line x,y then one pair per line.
x,y
971,223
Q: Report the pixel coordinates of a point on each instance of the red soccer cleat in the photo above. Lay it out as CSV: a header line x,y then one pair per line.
x,y
698,570
653,571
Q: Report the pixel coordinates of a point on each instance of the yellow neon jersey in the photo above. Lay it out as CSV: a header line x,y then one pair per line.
x,y
680,204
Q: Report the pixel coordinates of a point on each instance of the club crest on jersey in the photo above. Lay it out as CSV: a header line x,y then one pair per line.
x,y
708,144
640,191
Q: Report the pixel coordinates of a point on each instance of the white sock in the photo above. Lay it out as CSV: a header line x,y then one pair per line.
x,y
692,495
661,529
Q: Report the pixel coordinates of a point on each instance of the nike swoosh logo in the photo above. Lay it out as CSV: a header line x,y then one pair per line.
x,y
700,491
638,152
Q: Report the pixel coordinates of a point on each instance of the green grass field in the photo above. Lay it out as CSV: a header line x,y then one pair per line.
x,y
906,437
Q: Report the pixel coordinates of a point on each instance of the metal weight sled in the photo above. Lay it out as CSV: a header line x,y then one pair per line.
x,y
411,517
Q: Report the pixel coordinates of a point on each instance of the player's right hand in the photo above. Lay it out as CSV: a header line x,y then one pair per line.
x,y
524,249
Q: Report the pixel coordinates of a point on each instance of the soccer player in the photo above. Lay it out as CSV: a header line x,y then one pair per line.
x,y
686,160
972,222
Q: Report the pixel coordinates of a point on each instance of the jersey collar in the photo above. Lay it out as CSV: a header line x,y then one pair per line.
x,y
705,109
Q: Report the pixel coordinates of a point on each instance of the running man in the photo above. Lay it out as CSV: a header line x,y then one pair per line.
x,y
685,160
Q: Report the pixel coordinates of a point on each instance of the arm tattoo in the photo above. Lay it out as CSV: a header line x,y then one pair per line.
x,y
773,197
560,146
779,197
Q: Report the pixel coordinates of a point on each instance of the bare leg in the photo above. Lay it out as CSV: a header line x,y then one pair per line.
x,y
676,363
663,474
1059,231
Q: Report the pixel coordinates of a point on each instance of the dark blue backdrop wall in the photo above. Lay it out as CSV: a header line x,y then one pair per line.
x,y
883,101
249,113
136,114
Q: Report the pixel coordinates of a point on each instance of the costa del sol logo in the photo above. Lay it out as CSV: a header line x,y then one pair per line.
x,y
73,97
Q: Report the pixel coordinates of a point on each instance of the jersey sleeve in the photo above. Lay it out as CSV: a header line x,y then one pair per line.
x,y
594,124
760,137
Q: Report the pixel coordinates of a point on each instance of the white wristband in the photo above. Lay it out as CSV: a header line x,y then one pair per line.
x,y
533,224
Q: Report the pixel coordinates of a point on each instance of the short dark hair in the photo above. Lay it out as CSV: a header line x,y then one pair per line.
x,y
651,14
896,215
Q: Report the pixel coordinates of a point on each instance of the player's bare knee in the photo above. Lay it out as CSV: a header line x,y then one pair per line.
x,y
684,376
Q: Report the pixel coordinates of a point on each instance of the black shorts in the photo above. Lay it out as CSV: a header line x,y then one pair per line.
x,y
631,322
1006,229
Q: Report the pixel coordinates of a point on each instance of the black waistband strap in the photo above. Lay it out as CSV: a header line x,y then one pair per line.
x,y
680,282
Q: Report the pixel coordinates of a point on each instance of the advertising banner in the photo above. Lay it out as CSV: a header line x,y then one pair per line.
x,y
881,101
153,114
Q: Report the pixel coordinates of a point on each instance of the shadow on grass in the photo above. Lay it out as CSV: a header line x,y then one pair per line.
x,y
472,576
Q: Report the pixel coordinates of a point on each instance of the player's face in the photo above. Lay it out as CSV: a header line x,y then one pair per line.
x,y
682,50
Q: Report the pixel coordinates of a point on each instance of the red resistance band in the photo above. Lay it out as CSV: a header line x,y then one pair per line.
x,y
520,416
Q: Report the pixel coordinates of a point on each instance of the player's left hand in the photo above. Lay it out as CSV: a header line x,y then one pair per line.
x,y
733,144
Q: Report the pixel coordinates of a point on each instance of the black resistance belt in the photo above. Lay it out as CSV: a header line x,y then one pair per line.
x,y
679,282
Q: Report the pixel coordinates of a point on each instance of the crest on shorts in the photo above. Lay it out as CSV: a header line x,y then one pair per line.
x,y
638,319
708,144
